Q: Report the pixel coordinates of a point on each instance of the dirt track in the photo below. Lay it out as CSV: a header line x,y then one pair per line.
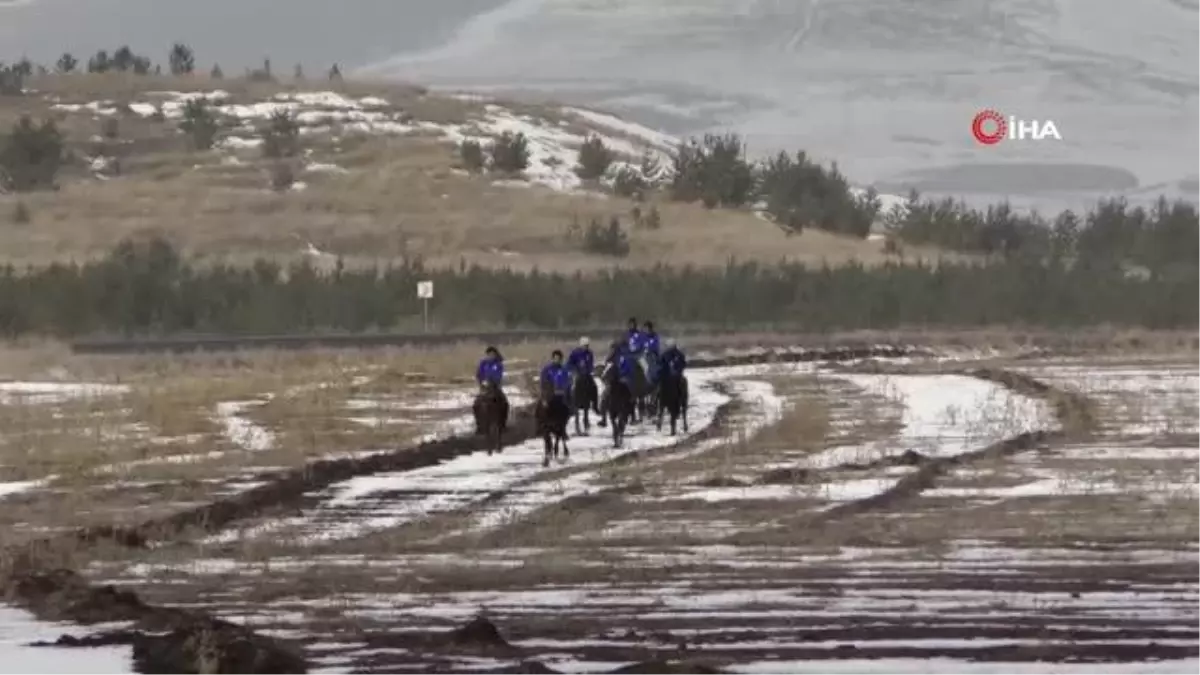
x,y
784,564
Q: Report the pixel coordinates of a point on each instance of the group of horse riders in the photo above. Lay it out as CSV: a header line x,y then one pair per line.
x,y
640,349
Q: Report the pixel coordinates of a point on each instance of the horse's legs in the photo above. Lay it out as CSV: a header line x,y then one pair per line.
x,y
546,455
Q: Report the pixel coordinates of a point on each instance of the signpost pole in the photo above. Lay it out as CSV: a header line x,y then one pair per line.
x,y
425,293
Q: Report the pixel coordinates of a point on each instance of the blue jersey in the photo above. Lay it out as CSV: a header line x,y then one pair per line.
x,y
557,377
582,361
625,366
634,341
650,342
490,370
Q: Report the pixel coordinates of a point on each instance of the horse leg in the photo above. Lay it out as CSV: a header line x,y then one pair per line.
x,y
546,455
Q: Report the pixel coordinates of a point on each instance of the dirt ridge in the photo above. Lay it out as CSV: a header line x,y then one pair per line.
x,y
1075,413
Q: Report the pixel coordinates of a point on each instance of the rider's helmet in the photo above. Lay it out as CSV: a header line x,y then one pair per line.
x,y
583,341
491,351
556,354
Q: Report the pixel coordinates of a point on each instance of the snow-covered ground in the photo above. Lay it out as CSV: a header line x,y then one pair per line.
x,y
19,628
995,555
942,416
361,505
29,393
1134,400
983,561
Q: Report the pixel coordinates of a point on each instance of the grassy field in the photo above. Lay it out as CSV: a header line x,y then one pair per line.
x,y
370,193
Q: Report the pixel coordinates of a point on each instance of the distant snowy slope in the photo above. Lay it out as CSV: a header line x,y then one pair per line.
x,y
883,87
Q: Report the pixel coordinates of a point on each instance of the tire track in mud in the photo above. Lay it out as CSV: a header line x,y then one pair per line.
x,y
1074,411
592,498
168,639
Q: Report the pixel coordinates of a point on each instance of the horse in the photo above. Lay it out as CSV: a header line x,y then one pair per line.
x,y
584,397
673,398
551,417
491,415
642,391
617,403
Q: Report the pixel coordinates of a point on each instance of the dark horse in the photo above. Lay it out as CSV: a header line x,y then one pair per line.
x,y
673,399
584,398
491,415
618,403
643,392
551,416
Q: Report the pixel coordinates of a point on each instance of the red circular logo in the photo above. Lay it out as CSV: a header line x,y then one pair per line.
x,y
985,119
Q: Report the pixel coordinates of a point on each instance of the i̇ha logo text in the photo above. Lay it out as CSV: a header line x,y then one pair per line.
x,y
990,127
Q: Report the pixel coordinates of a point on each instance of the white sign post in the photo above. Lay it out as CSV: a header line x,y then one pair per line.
x,y
425,293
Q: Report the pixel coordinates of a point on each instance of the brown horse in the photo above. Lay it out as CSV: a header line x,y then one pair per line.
x,y
491,415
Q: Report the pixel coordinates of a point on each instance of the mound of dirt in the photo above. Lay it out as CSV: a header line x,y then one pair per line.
x,y
213,646
193,643
721,482
530,668
786,476
479,632
910,457
667,668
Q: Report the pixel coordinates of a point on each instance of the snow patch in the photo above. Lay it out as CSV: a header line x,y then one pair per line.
x,y
241,431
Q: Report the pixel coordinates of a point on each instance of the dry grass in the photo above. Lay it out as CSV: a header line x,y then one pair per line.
x,y
401,197
170,409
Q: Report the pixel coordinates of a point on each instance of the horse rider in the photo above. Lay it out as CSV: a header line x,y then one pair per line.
x,y
623,359
581,359
490,372
633,337
620,362
672,361
555,379
582,362
650,347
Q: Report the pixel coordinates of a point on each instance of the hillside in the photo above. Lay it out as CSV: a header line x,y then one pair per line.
x,y
379,177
